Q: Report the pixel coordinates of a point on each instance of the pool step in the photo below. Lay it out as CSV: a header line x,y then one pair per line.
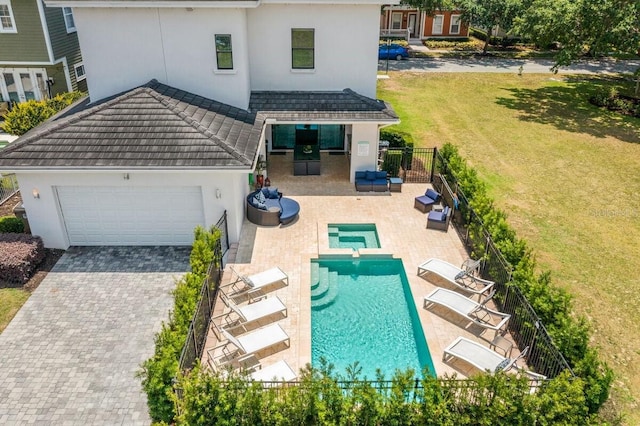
x,y
322,286
330,296
315,275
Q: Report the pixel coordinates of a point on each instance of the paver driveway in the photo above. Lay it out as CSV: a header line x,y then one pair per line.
x,y
71,354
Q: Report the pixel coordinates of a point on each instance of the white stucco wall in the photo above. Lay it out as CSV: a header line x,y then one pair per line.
x,y
46,220
363,134
126,47
346,47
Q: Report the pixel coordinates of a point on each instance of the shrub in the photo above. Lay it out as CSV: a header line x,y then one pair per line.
x,y
20,254
391,163
11,224
396,138
159,372
27,115
319,399
552,304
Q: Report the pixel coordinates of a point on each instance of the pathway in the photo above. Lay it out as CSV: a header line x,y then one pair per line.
x,y
71,354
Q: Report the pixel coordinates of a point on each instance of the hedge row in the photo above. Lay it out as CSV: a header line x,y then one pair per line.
x,y
27,115
158,372
319,399
552,304
20,254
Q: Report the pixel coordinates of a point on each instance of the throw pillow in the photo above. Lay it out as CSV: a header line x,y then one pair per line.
x,y
259,204
432,194
273,193
260,197
460,275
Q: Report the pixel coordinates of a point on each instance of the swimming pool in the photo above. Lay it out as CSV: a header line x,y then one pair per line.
x,y
362,310
353,235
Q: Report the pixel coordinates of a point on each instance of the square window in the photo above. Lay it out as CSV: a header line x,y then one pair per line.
x,y
302,49
80,75
7,23
68,19
224,52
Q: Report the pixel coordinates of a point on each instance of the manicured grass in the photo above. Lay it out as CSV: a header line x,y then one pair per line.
x,y
11,300
567,175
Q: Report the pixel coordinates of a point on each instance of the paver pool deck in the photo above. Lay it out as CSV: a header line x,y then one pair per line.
x,y
71,354
330,198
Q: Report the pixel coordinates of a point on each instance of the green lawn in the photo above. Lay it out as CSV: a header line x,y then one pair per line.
x,y
568,176
11,300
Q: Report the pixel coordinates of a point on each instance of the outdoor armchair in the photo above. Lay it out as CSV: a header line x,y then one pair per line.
x,y
425,202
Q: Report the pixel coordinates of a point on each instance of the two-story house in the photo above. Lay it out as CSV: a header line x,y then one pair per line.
x,y
415,24
39,51
185,97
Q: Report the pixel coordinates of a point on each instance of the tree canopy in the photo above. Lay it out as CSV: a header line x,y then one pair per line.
x,y
578,27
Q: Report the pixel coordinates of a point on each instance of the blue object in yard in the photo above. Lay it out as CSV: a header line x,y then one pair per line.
x,y
392,51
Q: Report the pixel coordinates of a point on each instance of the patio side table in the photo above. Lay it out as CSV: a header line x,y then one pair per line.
x,y
395,184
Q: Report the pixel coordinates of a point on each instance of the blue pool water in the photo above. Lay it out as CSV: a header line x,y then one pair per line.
x,y
353,235
362,310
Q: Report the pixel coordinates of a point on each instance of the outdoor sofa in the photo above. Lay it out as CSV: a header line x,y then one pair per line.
x,y
369,180
271,208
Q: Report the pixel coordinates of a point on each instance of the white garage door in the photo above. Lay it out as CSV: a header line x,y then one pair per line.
x,y
131,215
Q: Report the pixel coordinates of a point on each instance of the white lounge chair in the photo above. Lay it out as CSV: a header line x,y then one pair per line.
x,y
258,281
475,312
280,371
245,314
480,356
249,343
463,278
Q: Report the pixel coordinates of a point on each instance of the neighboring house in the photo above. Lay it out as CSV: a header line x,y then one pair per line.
x,y
184,99
39,51
415,24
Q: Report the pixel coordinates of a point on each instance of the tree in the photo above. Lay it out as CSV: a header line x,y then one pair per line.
x,y
582,27
489,14
27,115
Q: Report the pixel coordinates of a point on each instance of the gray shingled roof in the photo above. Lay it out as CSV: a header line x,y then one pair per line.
x,y
346,106
154,126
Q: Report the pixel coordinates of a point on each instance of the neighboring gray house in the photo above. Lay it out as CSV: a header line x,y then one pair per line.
x,y
39,51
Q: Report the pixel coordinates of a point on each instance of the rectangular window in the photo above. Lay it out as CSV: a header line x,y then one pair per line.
x,y
224,53
302,48
437,24
455,24
68,19
80,75
7,23
396,20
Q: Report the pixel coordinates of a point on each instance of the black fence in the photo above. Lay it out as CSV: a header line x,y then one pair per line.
x,y
524,325
460,391
224,238
413,165
199,327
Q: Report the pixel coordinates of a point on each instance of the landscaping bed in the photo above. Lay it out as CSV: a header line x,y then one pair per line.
x,y
12,294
